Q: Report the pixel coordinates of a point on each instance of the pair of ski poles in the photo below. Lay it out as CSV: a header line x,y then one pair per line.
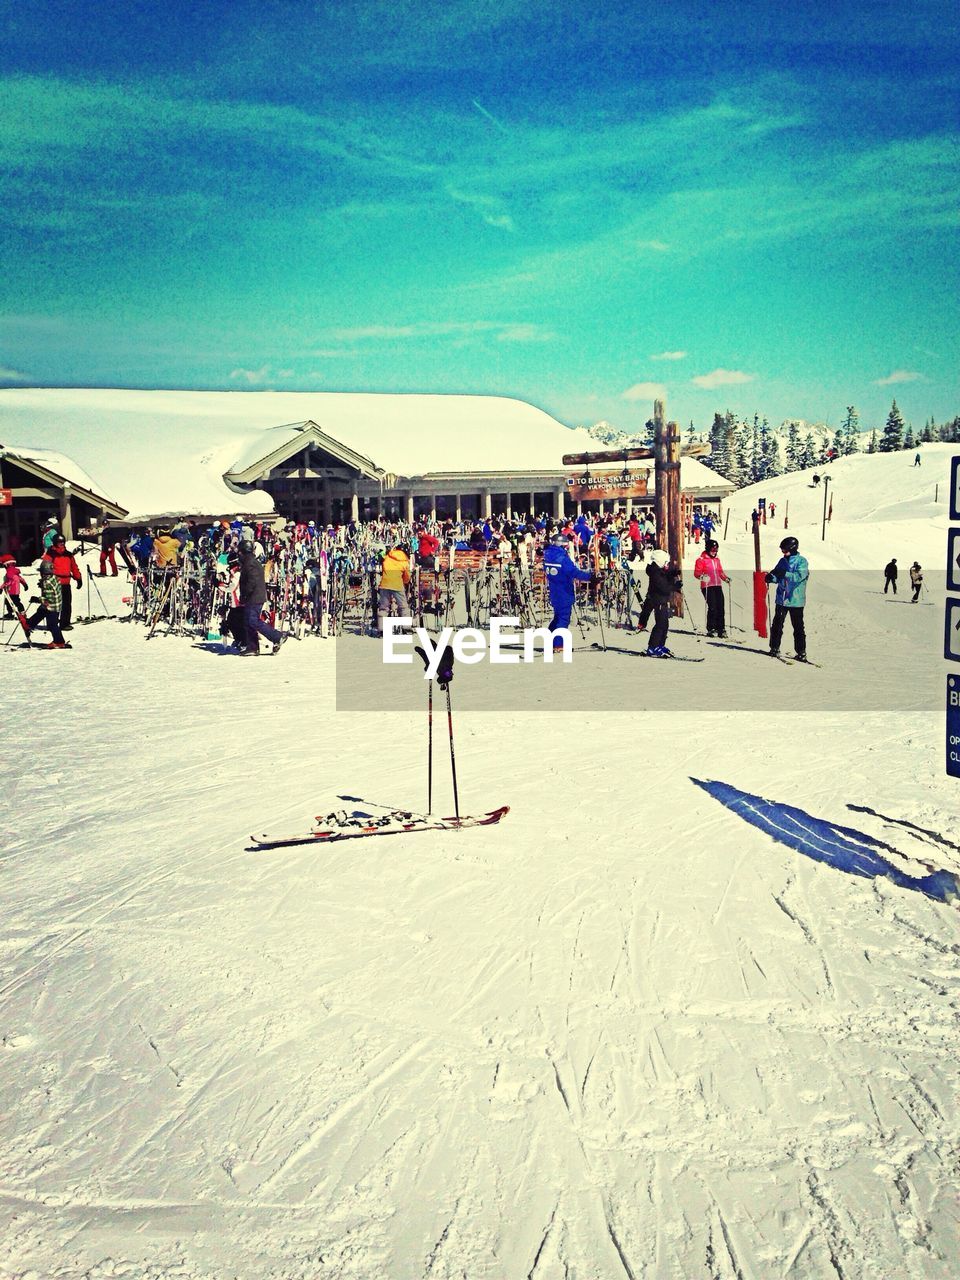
x,y
444,678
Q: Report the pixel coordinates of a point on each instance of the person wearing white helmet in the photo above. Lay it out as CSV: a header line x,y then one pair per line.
x,y
664,583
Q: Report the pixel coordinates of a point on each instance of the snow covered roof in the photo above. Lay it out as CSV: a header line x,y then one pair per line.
x,y
694,475
164,450
60,465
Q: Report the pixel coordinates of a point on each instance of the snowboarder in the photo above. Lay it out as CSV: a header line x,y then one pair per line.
x,y
561,573
664,582
916,581
253,596
51,601
790,573
710,574
890,577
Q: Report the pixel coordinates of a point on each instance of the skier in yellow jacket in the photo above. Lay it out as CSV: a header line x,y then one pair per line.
x,y
395,574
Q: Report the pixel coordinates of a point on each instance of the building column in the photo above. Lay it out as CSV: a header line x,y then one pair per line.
x,y
354,506
487,507
409,503
579,508
629,507
558,504
66,512
457,513
531,510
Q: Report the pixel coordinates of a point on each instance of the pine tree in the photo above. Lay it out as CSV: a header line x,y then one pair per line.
x,y
808,452
872,446
850,429
892,438
908,441
793,447
772,465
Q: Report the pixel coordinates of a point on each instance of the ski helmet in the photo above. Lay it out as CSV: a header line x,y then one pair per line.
x,y
660,557
789,546
712,544
46,568
246,546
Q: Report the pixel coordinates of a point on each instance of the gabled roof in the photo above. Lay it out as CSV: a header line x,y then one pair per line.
x,y
58,469
277,444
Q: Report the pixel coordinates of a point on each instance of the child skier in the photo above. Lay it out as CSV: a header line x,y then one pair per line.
x,y
790,573
709,571
51,601
13,582
664,582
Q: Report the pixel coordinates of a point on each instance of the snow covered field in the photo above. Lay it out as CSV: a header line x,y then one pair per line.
x,y
624,1034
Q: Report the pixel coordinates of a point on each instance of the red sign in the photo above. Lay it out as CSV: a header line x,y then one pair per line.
x,y
6,497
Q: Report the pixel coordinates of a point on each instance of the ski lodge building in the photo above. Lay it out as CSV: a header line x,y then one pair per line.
x,y
338,456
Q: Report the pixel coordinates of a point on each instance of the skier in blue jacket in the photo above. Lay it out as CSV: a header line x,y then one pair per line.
x,y
790,573
561,574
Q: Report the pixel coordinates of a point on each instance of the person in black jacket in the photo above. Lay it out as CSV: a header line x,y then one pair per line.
x,y
664,582
253,596
890,577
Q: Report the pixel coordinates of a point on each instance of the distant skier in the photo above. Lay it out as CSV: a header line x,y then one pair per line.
x,y
664,582
561,573
916,581
790,573
890,577
710,574
916,461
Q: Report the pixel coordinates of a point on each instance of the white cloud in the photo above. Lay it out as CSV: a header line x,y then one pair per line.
x,y
645,391
722,378
670,355
656,246
12,375
898,375
503,331
251,376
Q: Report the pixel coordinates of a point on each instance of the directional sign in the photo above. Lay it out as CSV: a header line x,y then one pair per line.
x,y
951,630
955,488
953,726
953,560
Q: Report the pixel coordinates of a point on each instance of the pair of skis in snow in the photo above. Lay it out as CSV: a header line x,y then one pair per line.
x,y
358,825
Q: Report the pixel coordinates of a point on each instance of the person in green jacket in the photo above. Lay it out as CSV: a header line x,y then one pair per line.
x,y
51,599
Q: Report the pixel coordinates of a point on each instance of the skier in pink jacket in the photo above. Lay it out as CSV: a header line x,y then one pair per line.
x,y
710,575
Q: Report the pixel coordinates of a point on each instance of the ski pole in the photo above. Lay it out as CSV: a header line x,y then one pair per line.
x,y
453,757
430,747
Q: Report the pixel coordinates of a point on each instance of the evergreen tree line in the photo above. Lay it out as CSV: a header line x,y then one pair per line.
x,y
748,450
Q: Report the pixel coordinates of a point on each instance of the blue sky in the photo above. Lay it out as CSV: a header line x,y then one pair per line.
x,y
749,206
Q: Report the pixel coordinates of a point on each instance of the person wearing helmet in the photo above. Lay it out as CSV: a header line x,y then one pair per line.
x,y
49,532
561,572
252,590
710,574
790,573
890,577
664,582
67,572
916,581
51,601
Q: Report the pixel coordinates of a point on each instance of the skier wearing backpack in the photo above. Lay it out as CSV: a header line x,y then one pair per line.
x,y
790,573
916,581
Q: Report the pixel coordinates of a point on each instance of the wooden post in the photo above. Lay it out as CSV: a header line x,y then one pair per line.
x,y
826,489
726,525
666,452
661,459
